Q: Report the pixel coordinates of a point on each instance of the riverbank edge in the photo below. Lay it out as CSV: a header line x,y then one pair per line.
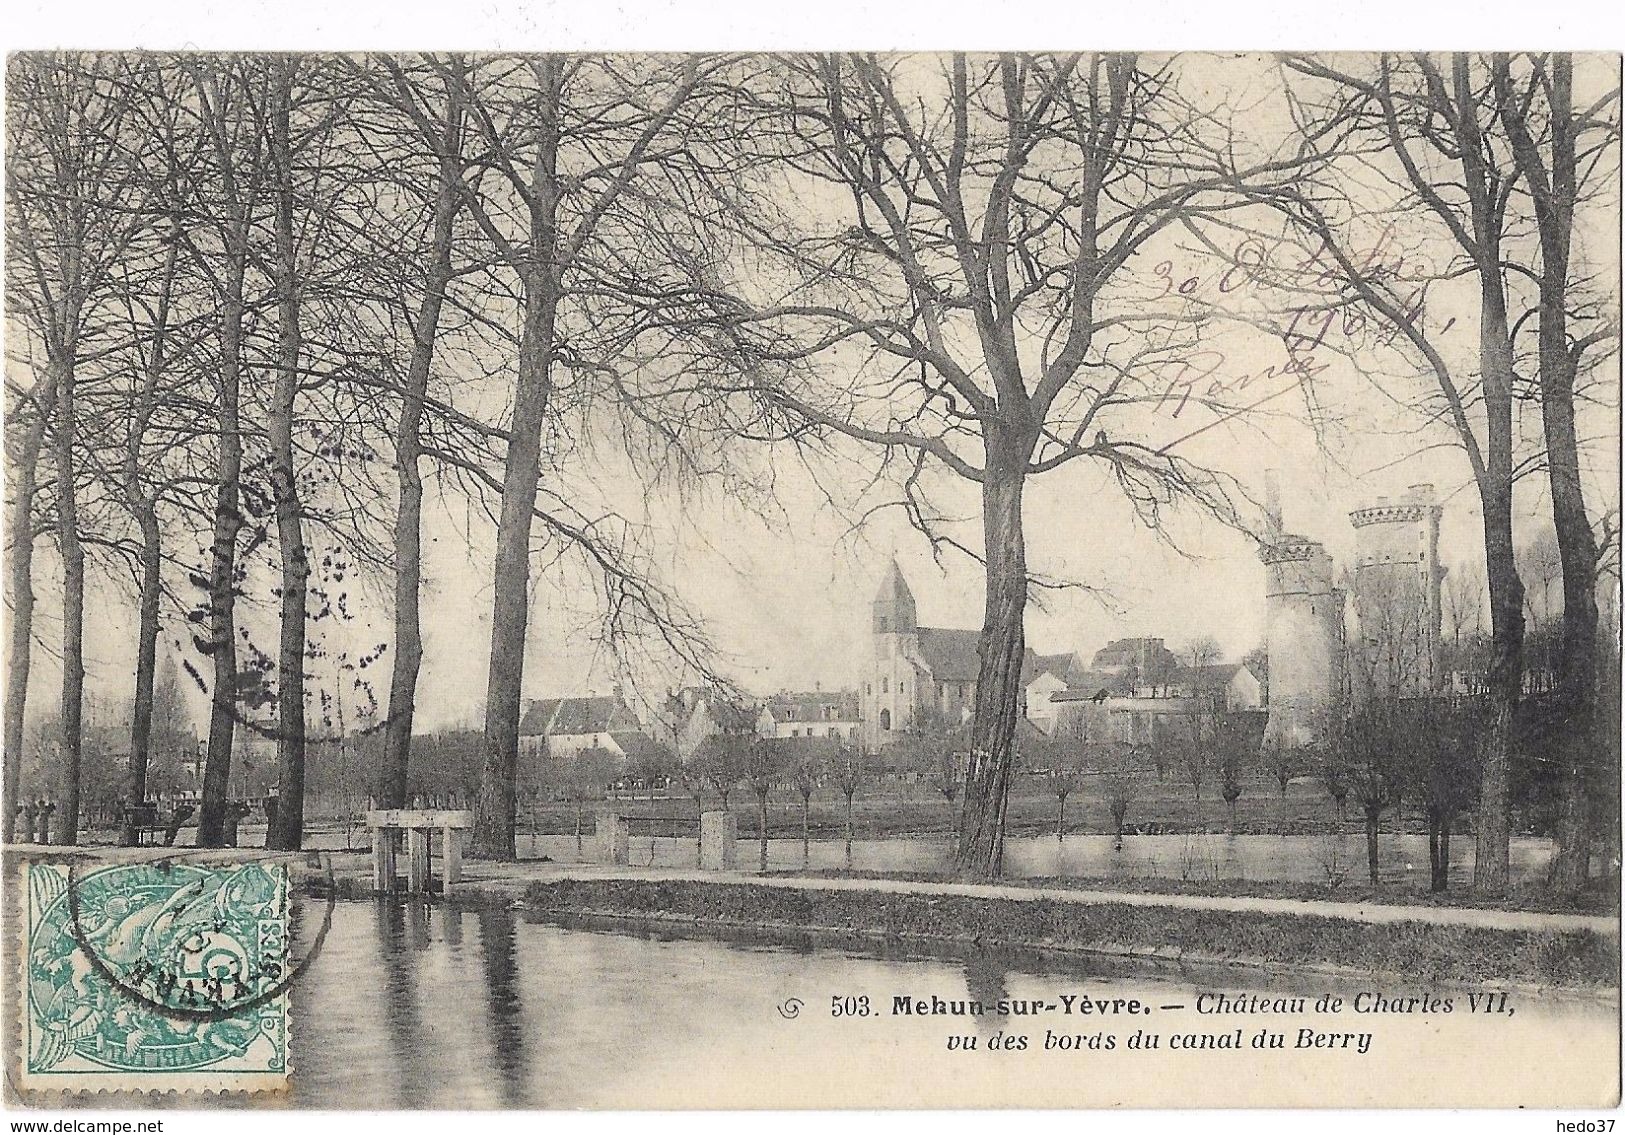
x,y
1529,962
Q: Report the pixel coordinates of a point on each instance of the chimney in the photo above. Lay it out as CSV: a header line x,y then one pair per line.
x,y
1272,506
1421,494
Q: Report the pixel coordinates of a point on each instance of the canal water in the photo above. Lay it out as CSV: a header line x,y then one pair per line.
x,y
1262,858
419,1005
1199,857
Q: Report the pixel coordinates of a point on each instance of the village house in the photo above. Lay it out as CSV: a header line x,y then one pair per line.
x,y
1137,686
698,712
816,714
562,726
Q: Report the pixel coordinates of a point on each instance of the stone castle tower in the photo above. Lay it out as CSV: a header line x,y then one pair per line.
x,y
1303,629
890,682
1397,580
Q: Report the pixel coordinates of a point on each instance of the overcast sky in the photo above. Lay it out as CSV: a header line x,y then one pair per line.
x,y
785,596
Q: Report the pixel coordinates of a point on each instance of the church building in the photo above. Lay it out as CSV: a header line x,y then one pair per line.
x,y
924,678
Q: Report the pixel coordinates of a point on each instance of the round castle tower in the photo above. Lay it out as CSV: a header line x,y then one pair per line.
x,y
1397,580
1303,630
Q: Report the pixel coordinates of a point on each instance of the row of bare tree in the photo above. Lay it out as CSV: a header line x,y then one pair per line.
x,y
297,287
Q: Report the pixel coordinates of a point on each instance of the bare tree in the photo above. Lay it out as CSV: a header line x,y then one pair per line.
x,y
429,100
75,201
234,170
1236,749
1564,153
808,763
974,283
1442,733
764,767
1203,651
29,415
282,151
566,137
1368,744
1063,781
1428,125
850,771
1119,785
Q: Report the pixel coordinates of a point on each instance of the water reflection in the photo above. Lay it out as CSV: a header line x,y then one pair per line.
x,y
985,978
398,947
499,956
422,1005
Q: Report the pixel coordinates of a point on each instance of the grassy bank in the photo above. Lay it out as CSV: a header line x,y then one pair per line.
x,y
1411,952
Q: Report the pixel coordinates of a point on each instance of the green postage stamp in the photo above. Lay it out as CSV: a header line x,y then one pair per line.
x,y
156,976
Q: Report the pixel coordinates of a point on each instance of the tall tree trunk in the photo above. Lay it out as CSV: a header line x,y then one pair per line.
x,y
1492,863
20,561
1577,663
287,830
998,685
494,821
1577,544
408,449
146,650
1492,857
73,609
144,507
223,553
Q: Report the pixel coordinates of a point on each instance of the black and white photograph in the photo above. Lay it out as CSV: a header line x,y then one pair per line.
x,y
733,579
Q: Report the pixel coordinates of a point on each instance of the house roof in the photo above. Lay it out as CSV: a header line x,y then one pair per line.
x,y
1128,651
1214,676
843,706
639,747
1087,685
1063,666
728,715
570,716
950,652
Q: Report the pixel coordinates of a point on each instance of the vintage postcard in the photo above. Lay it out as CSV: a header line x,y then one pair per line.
x,y
715,579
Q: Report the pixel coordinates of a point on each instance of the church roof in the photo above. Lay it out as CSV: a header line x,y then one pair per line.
x,y
894,587
950,653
